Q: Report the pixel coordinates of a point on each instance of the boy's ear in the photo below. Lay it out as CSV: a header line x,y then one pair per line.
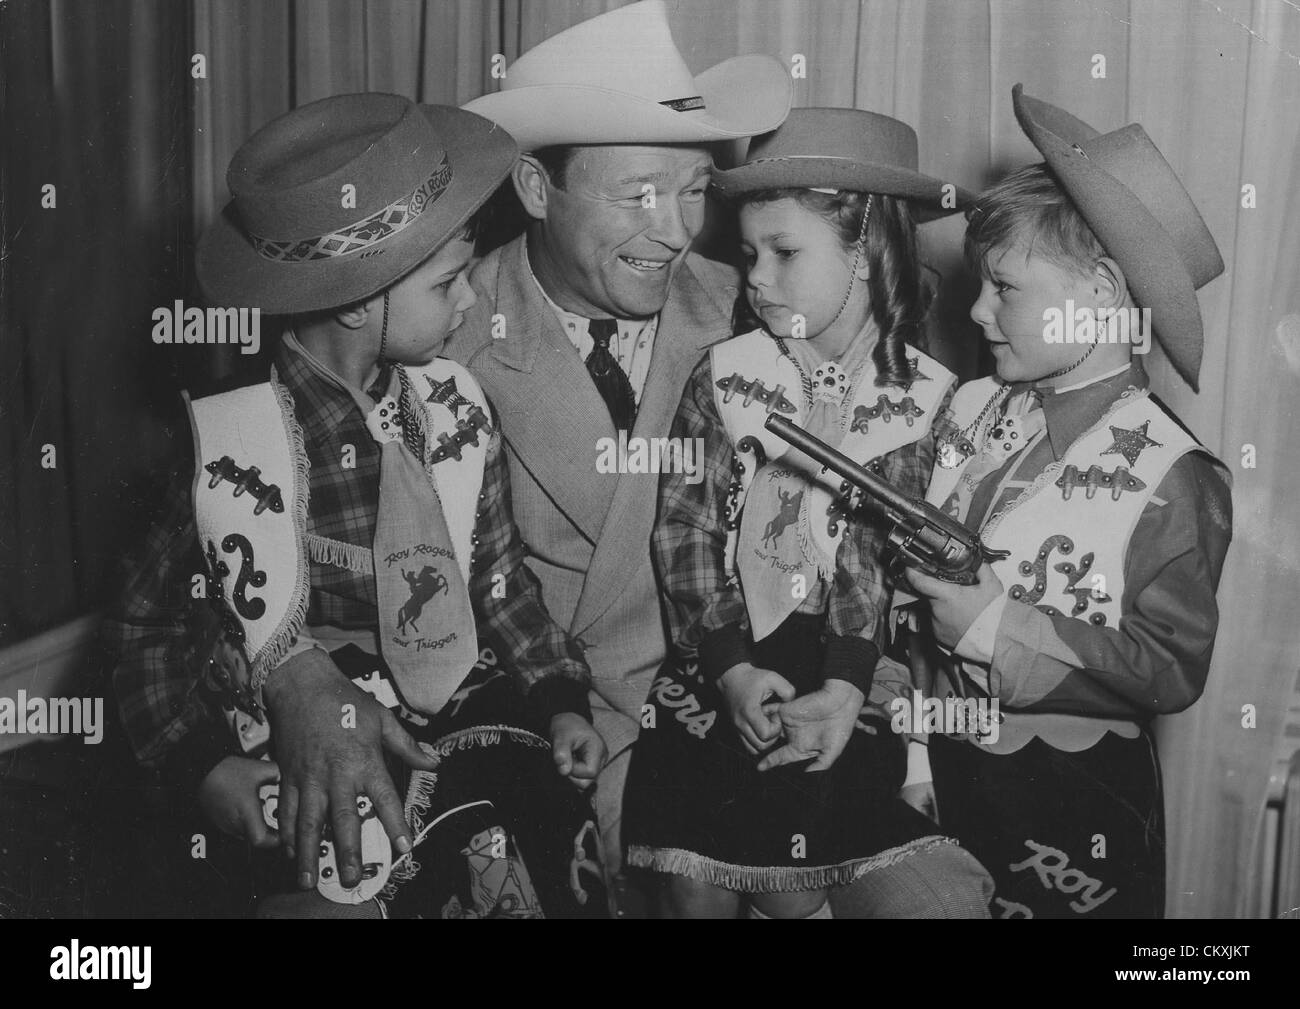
x,y
1109,283
355,316
531,184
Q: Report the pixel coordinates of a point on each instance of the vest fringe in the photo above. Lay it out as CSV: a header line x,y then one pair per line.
x,y
776,878
419,794
296,612
808,545
338,554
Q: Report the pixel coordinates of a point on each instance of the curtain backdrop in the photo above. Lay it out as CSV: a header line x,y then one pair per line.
x,y
1216,84
95,103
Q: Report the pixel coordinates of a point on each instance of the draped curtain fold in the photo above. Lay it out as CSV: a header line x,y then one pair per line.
x,y
1217,85
95,107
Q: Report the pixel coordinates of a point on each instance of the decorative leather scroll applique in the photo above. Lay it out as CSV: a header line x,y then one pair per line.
x,y
215,638
1037,568
249,609
250,480
466,433
888,409
773,399
1117,481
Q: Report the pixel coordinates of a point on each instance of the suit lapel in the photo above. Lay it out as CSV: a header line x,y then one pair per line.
x,y
689,323
556,415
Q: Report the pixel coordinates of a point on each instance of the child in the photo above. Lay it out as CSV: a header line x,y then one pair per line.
x,y
353,514
1115,520
777,595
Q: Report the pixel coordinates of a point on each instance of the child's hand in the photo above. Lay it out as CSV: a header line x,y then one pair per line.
x,y
955,607
751,695
578,750
228,797
818,725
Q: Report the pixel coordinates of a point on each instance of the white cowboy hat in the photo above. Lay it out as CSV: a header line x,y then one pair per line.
x,y
619,79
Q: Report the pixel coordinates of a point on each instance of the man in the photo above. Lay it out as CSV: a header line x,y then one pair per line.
x,y
587,327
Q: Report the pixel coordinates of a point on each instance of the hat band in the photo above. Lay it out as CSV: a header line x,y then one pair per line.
x,y
378,227
684,104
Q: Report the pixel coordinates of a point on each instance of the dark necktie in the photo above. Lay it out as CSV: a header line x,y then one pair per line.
x,y
611,381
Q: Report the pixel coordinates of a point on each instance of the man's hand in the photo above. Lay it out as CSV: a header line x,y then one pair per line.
x,y
751,695
329,737
228,798
955,607
578,750
818,725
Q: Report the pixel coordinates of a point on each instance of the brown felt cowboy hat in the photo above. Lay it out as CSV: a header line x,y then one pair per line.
x,y
819,148
619,79
1140,212
339,199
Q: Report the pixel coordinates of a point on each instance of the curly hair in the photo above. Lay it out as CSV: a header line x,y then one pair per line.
x,y
900,297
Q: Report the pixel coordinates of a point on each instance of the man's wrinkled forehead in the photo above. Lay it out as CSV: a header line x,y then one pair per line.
x,y
663,165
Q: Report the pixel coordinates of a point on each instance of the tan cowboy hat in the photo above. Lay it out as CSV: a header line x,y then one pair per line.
x,y
619,79
1141,214
290,241
818,148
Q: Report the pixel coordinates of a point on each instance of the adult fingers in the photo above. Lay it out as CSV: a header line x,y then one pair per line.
x,y
312,807
389,809
347,833
399,742
286,815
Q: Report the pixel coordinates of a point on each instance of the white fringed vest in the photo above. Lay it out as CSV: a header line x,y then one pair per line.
x,y
1068,533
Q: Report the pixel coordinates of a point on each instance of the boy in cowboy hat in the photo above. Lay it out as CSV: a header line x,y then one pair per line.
x,y
1113,518
350,521
591,322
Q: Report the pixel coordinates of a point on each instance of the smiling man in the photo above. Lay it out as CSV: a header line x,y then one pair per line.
x,y
591,322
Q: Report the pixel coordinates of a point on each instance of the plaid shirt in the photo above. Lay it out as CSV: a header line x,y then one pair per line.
x,y
707,616
159,697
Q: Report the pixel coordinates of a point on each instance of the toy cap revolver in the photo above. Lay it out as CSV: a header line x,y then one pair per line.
x,y
921,536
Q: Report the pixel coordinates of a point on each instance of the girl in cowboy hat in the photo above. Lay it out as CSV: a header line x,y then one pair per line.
x,y
1115,522
766,766
351,520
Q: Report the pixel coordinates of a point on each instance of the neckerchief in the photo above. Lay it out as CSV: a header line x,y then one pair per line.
x,y
777,557
426,624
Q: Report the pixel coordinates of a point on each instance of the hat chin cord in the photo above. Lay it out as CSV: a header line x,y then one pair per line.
x,y
857,259
1070,367
383,332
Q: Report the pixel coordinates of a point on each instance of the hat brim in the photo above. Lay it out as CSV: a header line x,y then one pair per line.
x,y
232,273
925,194
1130,233
743,97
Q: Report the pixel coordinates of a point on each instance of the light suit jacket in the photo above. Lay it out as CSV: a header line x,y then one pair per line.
x,y
588,533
